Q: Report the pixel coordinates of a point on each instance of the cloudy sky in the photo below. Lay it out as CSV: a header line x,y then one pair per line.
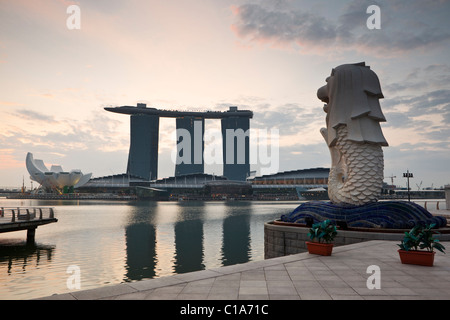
x,y
267,56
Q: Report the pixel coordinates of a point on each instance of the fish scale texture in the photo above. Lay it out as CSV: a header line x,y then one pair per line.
x,y
361,165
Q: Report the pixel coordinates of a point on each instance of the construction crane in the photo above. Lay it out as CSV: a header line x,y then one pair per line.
x,y
392,179
419,185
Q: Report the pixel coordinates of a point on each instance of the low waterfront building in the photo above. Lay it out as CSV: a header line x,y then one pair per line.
x,y
303,184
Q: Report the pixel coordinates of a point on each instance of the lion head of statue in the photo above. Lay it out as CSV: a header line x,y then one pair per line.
x,y
352,95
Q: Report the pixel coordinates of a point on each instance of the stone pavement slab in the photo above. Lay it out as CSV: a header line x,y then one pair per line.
x,y
341,276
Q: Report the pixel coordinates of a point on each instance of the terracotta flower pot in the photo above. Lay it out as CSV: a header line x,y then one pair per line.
x,y
323,249
421,258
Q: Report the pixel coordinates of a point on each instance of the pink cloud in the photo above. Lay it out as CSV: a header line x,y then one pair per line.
x,y
11,104
8,161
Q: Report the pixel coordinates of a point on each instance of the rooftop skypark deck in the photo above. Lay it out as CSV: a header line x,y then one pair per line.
x,y
142,109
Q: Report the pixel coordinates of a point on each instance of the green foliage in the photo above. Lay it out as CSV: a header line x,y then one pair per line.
x,y
324,231
421,237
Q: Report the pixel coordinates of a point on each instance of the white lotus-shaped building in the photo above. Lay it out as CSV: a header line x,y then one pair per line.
x,y
56,177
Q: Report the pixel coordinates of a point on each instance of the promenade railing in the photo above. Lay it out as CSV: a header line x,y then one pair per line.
x,y
15,214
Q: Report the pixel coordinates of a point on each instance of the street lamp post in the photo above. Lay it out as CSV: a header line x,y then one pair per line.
x,y
408,175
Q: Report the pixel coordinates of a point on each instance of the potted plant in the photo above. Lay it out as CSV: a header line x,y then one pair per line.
x,y
322,235
417,246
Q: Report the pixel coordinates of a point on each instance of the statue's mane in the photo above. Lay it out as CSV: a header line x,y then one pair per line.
x,y
354,92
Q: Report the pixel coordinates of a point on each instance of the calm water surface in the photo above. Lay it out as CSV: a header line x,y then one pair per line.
x,y
114,242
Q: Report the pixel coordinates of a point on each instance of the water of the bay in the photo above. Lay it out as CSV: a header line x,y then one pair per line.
x,y
112,242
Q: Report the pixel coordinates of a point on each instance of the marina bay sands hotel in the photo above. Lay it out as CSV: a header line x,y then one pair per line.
x,y
144,138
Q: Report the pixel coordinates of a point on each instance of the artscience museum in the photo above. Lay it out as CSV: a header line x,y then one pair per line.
x,y
56,178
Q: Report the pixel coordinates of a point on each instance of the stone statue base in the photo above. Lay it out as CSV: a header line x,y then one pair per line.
x,y
385,214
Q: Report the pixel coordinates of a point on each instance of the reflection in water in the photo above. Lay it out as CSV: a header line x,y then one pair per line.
x,y
236,235
188,223
20,256
140,239
189,246
141,253
189,237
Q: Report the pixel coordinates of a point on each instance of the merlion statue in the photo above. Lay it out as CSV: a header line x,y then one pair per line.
x,y
353,134
355,140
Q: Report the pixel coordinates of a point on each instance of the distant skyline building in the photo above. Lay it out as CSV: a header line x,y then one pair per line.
x,y
144,139
236,147
195,127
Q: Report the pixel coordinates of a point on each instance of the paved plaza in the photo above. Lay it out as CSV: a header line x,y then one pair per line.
x,y
345,275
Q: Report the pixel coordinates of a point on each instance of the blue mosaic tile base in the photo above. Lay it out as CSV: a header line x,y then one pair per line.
x,y
382,214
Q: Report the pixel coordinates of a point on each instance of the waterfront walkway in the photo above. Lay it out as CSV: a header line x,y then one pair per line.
x,y
342,276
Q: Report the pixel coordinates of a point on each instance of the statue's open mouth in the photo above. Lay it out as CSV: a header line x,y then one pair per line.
x,y
322,94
